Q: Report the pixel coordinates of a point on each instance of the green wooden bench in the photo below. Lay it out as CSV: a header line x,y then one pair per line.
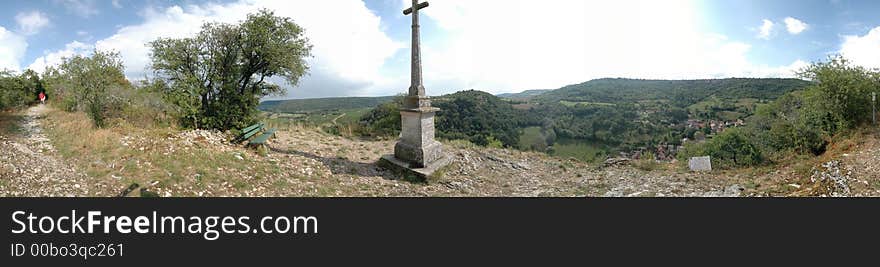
x,y
253,130
248,132
261,140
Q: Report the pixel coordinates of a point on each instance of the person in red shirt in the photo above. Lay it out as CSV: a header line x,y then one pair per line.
x,y
42,98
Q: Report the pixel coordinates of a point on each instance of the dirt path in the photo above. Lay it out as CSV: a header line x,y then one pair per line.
x,y
29,165
338,117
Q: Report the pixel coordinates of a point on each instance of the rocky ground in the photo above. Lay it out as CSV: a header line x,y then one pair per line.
x,y
477,171
30,166
303,161
855,172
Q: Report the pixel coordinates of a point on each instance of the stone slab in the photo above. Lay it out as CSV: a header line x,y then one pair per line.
x,y
700,164
410,173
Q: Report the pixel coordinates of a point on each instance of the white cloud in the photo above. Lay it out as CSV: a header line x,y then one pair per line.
x,y
31,22
492,45
504,45
82,8
863,50
12,49
765,29
54,58
116,4
795,26
349,50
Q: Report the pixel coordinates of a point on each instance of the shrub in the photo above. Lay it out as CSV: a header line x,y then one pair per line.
x,y
91,84
840,97
731,148
96,85
18,91
384,120
646,162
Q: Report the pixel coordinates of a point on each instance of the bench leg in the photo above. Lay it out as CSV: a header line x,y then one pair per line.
x,y
262,149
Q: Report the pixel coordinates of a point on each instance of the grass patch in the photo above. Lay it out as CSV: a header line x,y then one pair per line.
x,y
579,149
143,156
531,138
646,164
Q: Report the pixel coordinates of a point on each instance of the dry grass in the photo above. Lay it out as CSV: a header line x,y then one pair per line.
x,y
9,122
153,160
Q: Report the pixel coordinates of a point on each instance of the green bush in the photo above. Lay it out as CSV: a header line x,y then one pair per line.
x,y
729,149
92,84
836,102
17,91
96,85
840,98
646,162
384,120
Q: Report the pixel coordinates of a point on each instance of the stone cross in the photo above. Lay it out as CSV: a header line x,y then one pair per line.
x,y
416,97
416,154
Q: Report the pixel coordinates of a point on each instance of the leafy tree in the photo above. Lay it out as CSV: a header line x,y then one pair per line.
x,y
34,83
218,76
731,148
840,98
90,84
16,91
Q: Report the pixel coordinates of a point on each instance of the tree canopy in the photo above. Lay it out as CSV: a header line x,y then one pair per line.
x,y
217,77
88,83
17,91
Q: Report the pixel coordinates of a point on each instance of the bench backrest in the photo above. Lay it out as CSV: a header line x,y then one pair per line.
x,y
251,128
248,132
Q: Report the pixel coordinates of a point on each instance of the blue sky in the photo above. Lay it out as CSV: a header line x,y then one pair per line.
x,y
362,47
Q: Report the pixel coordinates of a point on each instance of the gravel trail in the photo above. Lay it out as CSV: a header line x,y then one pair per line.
x,y
30,166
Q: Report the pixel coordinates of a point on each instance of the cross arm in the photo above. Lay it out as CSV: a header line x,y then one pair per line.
x,y
410,10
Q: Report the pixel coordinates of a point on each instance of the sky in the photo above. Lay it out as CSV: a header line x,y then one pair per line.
x,y
362,47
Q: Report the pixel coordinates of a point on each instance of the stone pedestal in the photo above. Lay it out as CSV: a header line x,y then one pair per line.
x,y
417,153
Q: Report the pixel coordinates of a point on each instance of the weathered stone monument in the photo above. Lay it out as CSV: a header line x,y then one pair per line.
x,y
416,154
700,164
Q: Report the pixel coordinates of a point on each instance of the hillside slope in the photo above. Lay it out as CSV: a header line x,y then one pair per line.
x,y
320,104
681,92
527,94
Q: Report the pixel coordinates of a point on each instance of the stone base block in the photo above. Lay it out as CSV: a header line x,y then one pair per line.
x,y
418,156
410,172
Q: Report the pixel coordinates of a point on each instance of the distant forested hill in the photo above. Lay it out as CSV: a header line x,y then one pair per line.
x,y
322,104
680,93
524,94
595,119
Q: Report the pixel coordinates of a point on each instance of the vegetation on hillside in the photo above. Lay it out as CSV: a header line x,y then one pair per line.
x,y
527,94
596,119
803,122
322,104
678,93
476,116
